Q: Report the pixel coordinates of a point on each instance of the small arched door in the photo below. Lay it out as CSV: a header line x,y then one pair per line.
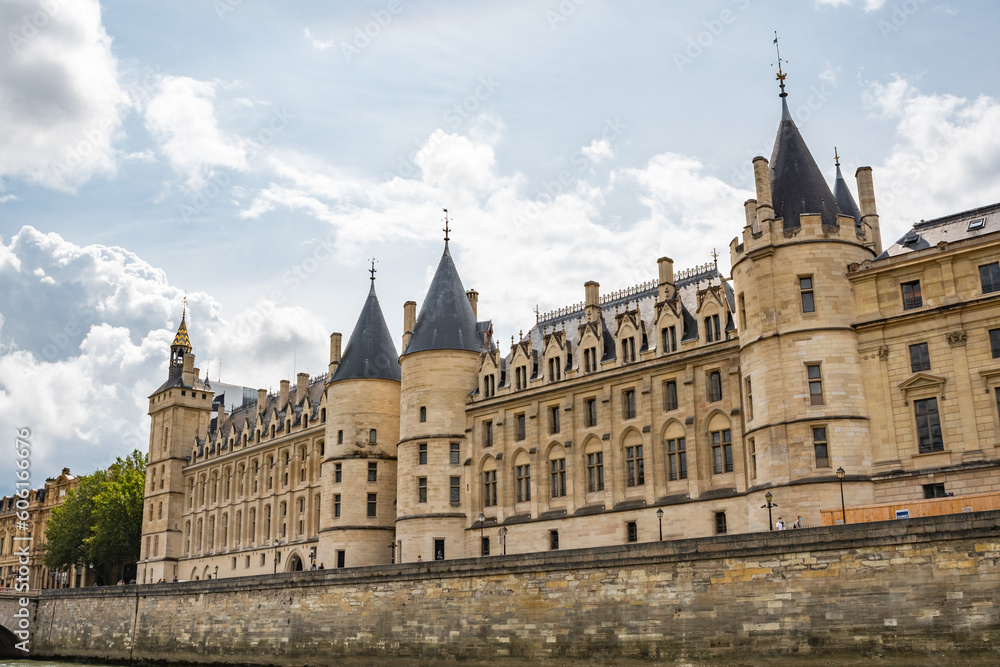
x,y
294,563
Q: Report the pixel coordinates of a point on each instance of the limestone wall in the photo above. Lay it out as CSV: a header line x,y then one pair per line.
x,y
915,585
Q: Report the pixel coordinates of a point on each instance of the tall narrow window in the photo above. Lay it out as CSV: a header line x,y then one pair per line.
x,y
911,295
806,293
714,386
555,369
372,505
553,419
631,532
590,412
490,488
628,404
558,473
669,395
752,448
455,490
920,359
928,426
372,471
722,451
423,414
590,360
519,433
820,447
635,474
487,434
713,331
815,379
748,387
994,343
989,275
372,437
743,311
669,339
522,478
338,473
554,540
340,437
454,454
595,472
422,454
677,458
720,523
421,489
489,386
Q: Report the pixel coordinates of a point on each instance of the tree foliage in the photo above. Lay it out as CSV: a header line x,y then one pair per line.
x,y
100,522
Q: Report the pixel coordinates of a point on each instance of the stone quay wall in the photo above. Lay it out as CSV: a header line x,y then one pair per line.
x,y
909,586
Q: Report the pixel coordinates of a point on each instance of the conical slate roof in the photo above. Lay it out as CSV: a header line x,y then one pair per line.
x,y
182,339
845,201
446,320
797,184
370,352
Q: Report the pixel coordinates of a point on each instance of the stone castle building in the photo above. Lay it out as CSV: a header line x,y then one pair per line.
x,y
665,410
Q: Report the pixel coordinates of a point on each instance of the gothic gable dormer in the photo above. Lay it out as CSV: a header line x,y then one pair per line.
x,y
522,360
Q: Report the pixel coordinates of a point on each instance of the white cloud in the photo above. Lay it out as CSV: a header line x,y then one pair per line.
x,y
6,198
181,118
519,249
317,44
84,339
61,104
945,158
598,150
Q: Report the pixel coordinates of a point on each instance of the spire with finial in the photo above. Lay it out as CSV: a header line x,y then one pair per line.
x,y
836,158
372,270
781,74
446,229
182,342
715,258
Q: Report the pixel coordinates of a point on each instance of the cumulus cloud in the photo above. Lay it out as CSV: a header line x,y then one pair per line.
x,y
519,248
181,119
61,104
946,155
84,339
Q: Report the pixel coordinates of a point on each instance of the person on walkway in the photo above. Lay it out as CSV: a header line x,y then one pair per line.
x,y
780,525
798,522
420,559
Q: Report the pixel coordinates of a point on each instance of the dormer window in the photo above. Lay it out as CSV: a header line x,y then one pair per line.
x,y
713,331
978,223
628,349
555,369
590,360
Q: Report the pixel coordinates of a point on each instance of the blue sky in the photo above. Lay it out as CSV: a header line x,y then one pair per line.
x,y
254,155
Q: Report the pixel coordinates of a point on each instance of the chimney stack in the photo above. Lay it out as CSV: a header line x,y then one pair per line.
x,y
187,371
762,183
869,214
750,209
592,301
261,400
334,355
473,301
301,386
666,266
409,320
283,395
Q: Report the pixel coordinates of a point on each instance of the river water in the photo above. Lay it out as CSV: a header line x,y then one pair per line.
x,y
940,660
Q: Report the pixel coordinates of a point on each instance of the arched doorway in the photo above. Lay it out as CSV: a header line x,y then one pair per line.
x,y
7,642
294,564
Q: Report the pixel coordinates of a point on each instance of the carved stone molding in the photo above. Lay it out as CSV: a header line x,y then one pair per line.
x,y
956,338
883,352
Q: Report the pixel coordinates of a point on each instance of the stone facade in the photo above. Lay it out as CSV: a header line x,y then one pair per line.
x,y
904,587
824,367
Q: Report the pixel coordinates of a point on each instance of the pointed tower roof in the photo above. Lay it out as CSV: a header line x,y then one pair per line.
x,y
446,320
797,184
181,339
845,200
370,352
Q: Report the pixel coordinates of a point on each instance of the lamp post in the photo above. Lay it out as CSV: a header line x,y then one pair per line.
x,y
768,497
392,558
216,572
274,558
482,520
843,508
502,534
145,569
659,517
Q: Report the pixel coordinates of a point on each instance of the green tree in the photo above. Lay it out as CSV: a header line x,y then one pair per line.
x,y
117,526
69,526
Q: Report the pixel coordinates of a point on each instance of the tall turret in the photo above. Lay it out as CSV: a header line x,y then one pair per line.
x,y
439,371
179,412
359,473
798,358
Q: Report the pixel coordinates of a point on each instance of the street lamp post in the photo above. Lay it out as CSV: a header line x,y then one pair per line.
x,y
274,558
502,534
843,508
659,517
217,572
145,569
768,497
482,520
392,545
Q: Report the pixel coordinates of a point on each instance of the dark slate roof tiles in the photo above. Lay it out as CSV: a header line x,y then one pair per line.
x,y
370,352
446,320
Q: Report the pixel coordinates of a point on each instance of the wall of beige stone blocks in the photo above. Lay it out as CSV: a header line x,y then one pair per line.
x,y
909,586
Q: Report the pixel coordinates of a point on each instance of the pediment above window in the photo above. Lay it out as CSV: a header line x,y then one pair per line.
x,y
922,385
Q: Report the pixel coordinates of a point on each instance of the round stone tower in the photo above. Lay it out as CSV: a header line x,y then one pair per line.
x,y
803,397
359,470
439,371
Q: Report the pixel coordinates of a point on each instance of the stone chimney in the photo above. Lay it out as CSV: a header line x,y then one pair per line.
x,y
301,386
762,183
261,400
473,301
187,371
283,395
750,210
869,214
592,301
666,267
409,319
334,355
221,414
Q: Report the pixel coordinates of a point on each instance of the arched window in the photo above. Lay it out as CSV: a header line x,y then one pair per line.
x,y
489,481
675,443
522,477
634,457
